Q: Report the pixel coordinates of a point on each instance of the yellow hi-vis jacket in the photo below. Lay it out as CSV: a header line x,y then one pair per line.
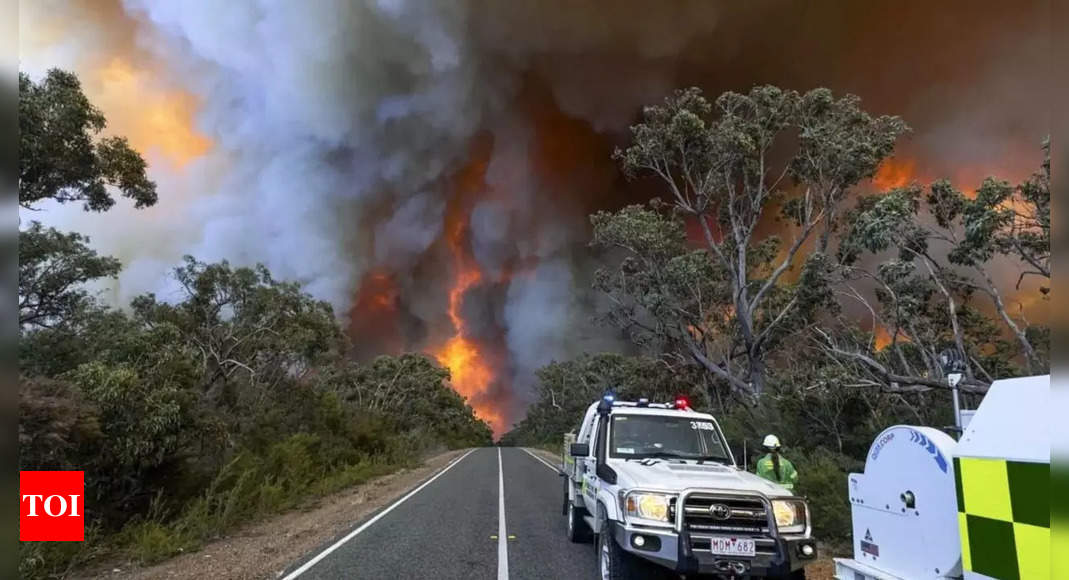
x,y
788,475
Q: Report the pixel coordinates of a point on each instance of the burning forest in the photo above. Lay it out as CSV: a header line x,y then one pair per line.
x,y
429,168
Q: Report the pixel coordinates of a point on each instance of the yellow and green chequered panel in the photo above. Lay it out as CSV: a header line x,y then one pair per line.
x,y
1004,517
986,488
1033,550
1030,492
963,532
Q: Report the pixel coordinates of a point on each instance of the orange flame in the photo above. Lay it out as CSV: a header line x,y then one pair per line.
x,y
894,172
470,373
883,338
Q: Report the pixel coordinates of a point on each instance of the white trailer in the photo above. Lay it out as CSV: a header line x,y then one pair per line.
x,y
929,507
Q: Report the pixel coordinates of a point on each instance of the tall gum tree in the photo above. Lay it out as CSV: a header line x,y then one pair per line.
x,y
726,166
945,249
61,158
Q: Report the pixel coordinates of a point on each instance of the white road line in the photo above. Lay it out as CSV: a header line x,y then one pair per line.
x,y
307,565
502,538
544,462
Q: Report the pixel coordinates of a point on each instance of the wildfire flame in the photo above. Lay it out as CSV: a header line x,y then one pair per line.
x,y
882,337
894,172
471,375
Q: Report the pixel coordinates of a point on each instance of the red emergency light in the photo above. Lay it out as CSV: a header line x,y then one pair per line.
x,y
681,403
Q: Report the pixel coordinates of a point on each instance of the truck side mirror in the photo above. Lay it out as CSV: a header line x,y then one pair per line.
x,y
580,449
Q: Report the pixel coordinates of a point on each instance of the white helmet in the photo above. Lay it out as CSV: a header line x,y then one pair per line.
x,y
772,442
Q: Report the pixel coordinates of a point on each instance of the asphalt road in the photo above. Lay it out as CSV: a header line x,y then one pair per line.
x,y
451,526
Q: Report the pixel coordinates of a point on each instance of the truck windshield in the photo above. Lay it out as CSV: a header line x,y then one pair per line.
x,y
642,436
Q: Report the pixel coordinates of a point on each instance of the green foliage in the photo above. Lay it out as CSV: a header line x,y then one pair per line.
x,y
661,291
947,244
59,559
822,481
58,426
52,268
58,156
151,541
411,388
232,403
717,164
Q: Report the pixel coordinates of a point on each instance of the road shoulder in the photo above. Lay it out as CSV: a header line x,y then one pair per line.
x,y
265,548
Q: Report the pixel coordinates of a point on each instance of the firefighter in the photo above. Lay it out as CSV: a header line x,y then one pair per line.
x,y
775,467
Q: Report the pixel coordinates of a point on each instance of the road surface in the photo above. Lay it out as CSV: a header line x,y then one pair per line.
x,y
492,513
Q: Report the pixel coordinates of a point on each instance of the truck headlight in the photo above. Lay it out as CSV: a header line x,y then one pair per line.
x,y
790,515
647,506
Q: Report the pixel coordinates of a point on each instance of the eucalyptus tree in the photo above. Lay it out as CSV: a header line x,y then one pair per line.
x,y
931,254
729,167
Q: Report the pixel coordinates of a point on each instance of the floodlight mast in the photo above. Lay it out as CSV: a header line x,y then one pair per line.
x,y
952,362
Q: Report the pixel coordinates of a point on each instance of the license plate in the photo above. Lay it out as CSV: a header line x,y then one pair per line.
x,y
722,546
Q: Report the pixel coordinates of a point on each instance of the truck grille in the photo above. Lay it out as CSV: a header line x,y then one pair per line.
x,y
733,516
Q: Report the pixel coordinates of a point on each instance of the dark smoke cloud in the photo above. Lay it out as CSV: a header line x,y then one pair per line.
x,y
341,125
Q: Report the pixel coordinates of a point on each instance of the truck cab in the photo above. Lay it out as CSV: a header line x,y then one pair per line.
x,y
657,488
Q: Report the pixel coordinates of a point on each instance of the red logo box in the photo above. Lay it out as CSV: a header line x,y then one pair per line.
x,y
52,506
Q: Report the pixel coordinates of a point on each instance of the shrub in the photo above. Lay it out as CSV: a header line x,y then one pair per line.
x,y
822,478
57,559
58,428
151,541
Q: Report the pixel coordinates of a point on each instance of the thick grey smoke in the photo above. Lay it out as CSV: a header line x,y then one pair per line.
x,y
331,112
338,125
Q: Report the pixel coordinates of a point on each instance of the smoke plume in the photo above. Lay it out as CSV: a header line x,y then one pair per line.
x,y
378,150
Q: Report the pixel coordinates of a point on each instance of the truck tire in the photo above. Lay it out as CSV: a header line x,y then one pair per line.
x,y
578,531
615,563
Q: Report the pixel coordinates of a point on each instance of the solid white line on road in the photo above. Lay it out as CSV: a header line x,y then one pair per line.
x,y
305,567
544,462
502,535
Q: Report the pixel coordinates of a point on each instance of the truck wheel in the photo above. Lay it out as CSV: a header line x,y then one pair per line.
x,y
578,531
614,563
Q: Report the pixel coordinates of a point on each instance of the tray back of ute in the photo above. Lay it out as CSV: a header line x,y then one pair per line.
x,y
567,461
904,508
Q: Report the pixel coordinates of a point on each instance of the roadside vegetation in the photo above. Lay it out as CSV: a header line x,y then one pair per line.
x,y
826,331
192,413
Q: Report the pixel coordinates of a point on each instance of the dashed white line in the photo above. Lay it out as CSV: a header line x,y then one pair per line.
x,y
502,531
544,462
307,565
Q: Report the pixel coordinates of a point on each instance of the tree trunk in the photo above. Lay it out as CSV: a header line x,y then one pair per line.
x,y
1031,360
757,373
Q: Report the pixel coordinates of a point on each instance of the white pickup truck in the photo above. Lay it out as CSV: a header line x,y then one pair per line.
x,y
657,488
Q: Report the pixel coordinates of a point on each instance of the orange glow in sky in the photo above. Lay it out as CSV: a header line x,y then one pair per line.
x,y
154,120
